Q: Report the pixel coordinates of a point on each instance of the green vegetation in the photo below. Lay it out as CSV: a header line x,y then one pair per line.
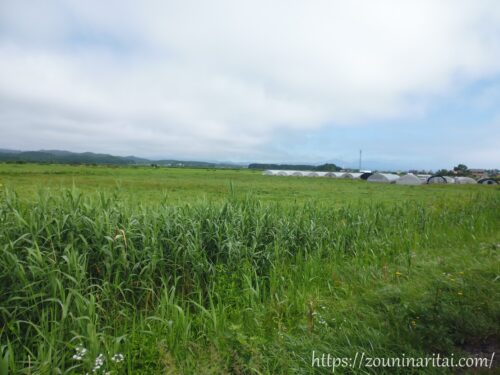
x,y
90,158
204,271
462,170
182,185
62,157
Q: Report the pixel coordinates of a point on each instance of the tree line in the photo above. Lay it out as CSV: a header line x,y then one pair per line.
x,y
327,167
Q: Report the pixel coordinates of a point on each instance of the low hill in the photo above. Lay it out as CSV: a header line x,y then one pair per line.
x,y
68,157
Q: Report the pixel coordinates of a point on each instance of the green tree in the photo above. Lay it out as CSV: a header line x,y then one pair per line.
x,y
461,170
443,172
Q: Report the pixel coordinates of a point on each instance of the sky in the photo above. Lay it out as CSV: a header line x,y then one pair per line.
x,y
414,84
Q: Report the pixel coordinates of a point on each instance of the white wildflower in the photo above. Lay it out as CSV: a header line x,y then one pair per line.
x,y
80,353
99,361
119,357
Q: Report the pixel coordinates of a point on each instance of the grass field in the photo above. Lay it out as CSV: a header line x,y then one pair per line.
x,y
181,185
230,272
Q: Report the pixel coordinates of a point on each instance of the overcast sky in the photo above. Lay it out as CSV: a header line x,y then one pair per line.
x,y
415,84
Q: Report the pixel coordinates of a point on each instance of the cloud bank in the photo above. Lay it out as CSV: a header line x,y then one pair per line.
x,y
225,79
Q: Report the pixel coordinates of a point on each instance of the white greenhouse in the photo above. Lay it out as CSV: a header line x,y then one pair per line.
x,y
352,175
423,177
388,178
487,181
311,174
409,179
440,180
335,174
465,180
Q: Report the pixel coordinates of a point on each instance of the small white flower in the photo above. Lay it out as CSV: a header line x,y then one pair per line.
x,y
99,361
80,353
119,357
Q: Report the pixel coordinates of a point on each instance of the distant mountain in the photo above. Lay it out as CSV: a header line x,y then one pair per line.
x,y
137,160
68,157
7,151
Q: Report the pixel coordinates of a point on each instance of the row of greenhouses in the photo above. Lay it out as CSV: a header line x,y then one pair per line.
x,y
270,172
389,178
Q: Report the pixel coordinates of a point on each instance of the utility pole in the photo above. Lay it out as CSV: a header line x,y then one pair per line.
x,y
360,153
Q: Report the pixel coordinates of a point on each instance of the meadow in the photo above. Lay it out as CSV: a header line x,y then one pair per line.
x,y
177,186
136,270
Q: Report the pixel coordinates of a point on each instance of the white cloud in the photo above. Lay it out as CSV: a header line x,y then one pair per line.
x,y
219,79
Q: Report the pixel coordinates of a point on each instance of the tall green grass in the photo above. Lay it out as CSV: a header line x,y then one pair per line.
x,y
240,286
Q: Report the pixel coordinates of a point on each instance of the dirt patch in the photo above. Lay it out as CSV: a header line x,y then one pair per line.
x,y
482,348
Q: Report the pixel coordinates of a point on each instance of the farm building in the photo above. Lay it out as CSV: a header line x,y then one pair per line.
x,y
487,181
365,175
478,173
352,175
388,178
465,180
440,180
409,179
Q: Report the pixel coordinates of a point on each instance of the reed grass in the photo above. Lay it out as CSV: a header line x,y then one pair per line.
x,y
239,286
